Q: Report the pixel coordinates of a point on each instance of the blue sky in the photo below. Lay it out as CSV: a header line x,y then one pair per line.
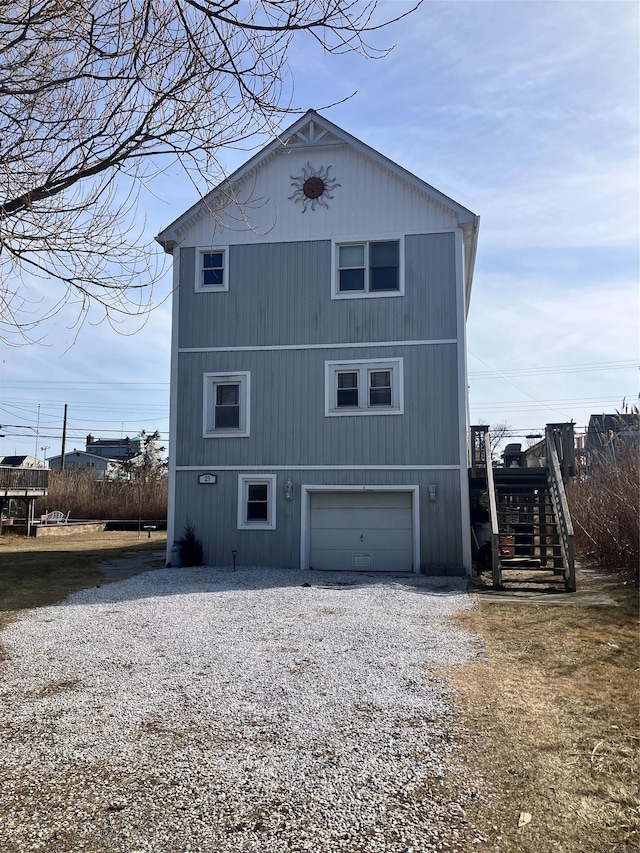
x,y
525,112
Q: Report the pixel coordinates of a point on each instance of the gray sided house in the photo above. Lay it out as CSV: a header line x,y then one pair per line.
x,y
93,463
318,388
608,435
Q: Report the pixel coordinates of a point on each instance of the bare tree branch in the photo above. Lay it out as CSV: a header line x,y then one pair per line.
x,y
93,92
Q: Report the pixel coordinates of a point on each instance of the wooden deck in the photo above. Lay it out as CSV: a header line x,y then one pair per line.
x,y
23,482
25,485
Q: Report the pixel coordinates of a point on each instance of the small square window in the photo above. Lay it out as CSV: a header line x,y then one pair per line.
x,y
257,501
226,405
212,270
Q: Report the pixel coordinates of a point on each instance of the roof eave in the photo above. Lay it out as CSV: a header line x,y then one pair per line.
x,y
470,231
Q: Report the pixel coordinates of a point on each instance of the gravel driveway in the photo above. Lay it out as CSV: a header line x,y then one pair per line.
x,y
256,710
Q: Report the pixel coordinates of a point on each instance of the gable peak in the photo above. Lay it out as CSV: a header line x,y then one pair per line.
x,y
311,132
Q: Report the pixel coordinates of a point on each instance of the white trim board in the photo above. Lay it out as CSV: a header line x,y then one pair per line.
x,y
173,408
213,467
463,397
305,515
350,345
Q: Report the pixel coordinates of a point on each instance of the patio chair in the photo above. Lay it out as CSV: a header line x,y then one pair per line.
x,y
55,517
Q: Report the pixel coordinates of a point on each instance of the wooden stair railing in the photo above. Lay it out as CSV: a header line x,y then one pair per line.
x,y
493,515
530,524
561,509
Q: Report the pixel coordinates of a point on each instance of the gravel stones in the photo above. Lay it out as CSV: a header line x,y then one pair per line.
x,y
256,710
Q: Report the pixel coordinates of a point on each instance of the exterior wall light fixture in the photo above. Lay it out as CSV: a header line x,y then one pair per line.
x,y
288,491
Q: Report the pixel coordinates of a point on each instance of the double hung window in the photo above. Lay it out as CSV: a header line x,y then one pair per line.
x,y
226,405
364,387
257,501
370,268
212,272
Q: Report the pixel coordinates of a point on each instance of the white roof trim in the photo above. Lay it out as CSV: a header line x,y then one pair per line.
x,y
84,453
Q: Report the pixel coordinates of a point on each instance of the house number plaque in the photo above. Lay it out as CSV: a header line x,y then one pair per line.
x,y
208,479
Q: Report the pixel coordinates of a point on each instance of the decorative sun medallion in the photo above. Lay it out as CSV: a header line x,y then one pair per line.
x,y
313,187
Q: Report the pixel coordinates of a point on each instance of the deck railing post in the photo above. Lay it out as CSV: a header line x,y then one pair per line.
x,y
561,507
493,514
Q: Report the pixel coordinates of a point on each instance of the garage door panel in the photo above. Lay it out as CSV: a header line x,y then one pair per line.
x,y
368,561
355,499
371,539
367,519
367,531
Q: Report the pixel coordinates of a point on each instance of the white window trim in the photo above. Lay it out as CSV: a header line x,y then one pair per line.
x,y
364,294
210,380
211,288
246,480
331,370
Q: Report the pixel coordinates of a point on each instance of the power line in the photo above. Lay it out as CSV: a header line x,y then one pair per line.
x,y
62,384
556,369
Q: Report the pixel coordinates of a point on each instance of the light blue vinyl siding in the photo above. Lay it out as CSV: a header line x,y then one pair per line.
x,y
213,509
288,423
280,293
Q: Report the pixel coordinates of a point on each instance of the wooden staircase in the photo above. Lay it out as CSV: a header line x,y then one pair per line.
x,y
531,529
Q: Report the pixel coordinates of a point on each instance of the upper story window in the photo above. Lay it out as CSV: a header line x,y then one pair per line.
x,y
368,268
372,387
226,405
212,269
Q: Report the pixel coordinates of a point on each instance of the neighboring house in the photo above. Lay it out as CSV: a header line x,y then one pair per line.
x,y
21,462
318,387
115,448
607,434
99,466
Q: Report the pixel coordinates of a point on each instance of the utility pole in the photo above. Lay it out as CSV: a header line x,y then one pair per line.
x,y
64,437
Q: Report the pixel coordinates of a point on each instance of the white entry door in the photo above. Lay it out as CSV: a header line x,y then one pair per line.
x,y
366,531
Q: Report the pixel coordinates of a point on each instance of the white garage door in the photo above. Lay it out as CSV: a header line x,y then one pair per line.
x,y
366,531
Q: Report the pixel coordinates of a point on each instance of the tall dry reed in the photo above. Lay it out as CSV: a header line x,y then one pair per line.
x,y
604,501
87,497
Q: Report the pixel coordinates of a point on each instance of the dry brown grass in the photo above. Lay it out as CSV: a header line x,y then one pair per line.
x,y
553,715
35,572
